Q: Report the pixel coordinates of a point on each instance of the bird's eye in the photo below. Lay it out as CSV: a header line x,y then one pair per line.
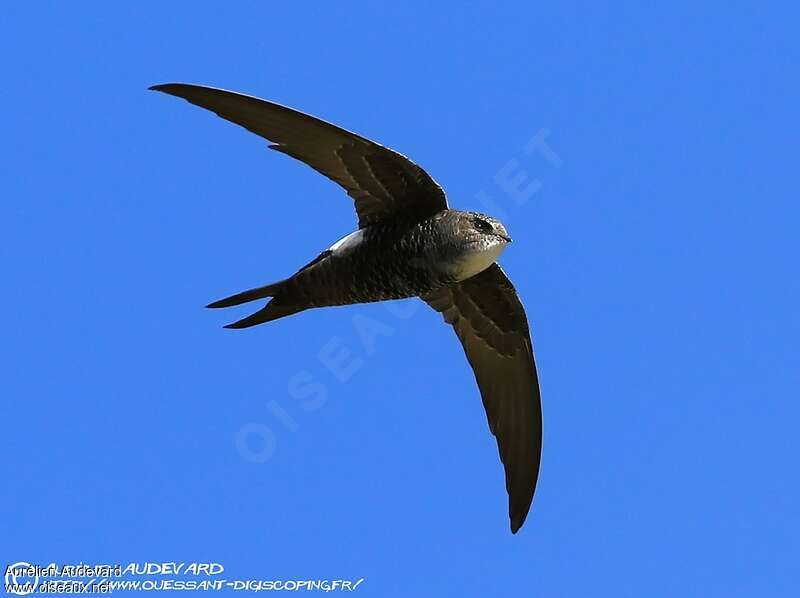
x,y
483,226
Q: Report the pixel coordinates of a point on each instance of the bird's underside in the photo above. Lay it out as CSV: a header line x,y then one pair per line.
x,y
409,243
384,261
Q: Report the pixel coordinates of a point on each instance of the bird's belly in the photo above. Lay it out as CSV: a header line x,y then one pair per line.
x,y
358,272
474,262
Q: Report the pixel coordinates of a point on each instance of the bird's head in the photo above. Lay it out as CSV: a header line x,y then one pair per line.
x,y
480,239
483,231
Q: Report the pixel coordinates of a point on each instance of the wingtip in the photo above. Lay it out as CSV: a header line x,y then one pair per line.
x,y
517,522
167,87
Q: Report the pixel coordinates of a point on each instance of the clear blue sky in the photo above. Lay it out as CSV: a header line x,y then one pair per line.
x,y
656,253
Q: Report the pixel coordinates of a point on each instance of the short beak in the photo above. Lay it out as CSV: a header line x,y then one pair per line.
x,y
506,238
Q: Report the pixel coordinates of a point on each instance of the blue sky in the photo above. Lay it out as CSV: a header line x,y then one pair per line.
x,y
655,250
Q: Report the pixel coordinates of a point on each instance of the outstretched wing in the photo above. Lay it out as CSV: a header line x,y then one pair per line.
x,y
490,321
383,183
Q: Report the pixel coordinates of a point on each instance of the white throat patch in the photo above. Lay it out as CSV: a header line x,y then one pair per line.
x,y
474,262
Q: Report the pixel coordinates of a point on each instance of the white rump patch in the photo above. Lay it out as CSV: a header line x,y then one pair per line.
x,y
348,243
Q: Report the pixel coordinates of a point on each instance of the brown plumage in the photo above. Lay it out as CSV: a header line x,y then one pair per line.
x,y
409,243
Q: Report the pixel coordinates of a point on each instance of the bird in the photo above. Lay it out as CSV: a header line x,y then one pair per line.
x,y
409,243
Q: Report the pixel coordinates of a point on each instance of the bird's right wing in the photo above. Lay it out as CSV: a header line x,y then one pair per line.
x,y
490,321
383,183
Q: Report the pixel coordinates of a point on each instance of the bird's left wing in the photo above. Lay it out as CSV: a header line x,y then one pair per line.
x,y
490,321
383,183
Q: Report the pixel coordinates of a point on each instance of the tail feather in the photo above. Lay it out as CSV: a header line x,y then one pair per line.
x,y
269,290
276,308
272,311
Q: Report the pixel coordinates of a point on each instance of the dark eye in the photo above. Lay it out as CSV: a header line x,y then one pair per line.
x,y
483,226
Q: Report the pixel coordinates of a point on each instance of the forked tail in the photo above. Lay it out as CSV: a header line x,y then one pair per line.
x,y
272,311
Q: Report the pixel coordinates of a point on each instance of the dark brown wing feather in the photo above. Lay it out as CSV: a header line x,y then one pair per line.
x,y
383,183
490,321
